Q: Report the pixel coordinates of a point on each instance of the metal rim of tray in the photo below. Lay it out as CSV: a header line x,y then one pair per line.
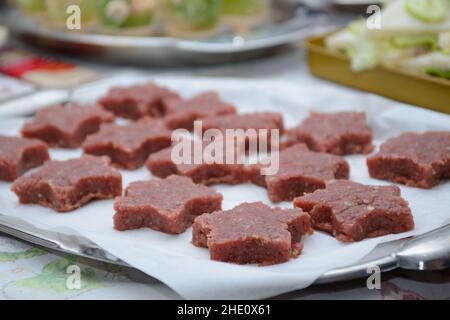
x,y
153,42
383,256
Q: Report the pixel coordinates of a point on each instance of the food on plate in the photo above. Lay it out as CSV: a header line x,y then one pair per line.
x,y
127,16
244,7
137,101
32,6
190,18
243,14
414,159
183,113
413,35
151,18
67,185
254,122
58,12
352,212
428,10
252,233
168,205
66,126
338,133
128,146
18,155
207,171
302,171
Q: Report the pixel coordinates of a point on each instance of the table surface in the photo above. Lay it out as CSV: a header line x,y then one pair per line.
x,y
28,272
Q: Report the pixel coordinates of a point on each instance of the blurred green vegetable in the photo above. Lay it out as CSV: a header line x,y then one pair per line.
x,y
243,7
126,13
416,41
57,10
444,42
428,10
32,6
436,72
194,14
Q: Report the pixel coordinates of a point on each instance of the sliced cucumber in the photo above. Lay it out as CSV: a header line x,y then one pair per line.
x,y
429,11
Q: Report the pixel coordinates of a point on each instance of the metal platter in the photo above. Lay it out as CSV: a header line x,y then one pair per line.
x,y
424,252
429,251
288,24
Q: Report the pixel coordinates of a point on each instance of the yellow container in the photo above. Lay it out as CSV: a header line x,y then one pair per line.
x,y
422,90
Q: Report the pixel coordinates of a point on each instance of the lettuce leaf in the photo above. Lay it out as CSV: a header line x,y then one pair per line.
x,y
436,72
416,41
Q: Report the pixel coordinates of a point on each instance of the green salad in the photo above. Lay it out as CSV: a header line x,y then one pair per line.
x,y
179,18
32,6
194,14
57,10
243,7
413,35
122,14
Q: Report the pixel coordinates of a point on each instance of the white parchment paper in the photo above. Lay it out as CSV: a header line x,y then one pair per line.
x,y
186,268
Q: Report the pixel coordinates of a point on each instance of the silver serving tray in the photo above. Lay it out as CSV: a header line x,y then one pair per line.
x,y
289,24
430,251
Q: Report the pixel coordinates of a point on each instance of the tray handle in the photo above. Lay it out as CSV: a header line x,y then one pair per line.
x,y
66,243
430,251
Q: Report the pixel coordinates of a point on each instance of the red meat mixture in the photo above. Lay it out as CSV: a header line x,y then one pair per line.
x,y
414,159
66,127
256,121
301,171
252,233
183,113
168,205
352,212
128,146
67,185
18,155
206,171
338,133
137,101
